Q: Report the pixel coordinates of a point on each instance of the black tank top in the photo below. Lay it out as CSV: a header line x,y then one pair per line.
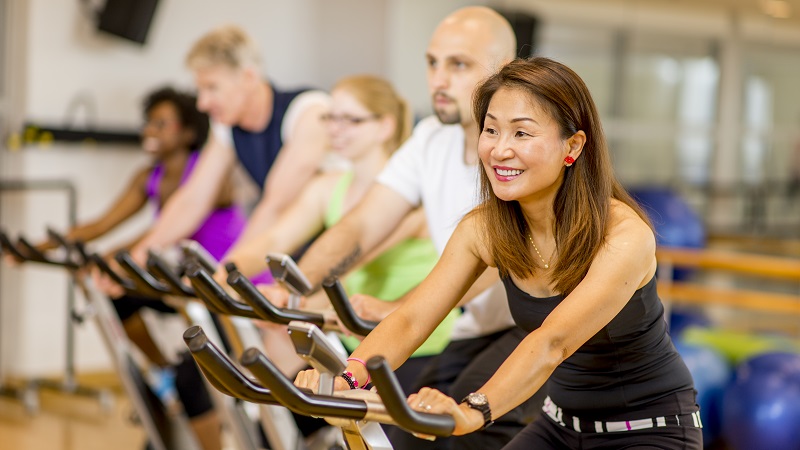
x,y
257,151
628,364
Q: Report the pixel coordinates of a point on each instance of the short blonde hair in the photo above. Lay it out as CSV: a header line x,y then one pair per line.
x,y
228,45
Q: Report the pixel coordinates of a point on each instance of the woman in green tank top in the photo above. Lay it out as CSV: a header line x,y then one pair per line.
x,y
367,122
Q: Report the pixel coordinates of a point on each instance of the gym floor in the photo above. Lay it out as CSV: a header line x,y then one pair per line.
x,y
68,422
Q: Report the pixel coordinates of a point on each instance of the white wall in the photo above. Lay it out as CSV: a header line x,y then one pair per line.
x,y
62,58
58,57
68,58
33,298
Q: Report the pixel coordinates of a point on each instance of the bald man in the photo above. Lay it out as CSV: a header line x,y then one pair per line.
x,y
437,168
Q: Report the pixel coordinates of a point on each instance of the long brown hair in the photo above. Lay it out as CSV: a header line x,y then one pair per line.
x,y
582,203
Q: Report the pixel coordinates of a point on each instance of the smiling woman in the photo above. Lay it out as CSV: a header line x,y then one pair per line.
x,y
577,258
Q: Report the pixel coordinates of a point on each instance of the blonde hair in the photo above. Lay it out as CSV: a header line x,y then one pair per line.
x,y
228,45
380,97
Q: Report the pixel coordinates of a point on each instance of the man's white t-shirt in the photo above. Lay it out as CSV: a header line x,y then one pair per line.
x,y
429,169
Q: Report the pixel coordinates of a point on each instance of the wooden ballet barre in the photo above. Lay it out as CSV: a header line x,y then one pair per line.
x,y
776,246
745,263
688,292
696,294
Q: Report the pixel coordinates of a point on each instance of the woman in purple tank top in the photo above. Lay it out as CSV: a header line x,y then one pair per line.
x,y
173,128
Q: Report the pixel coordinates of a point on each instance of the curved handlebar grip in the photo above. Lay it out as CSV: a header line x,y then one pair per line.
x,y
338,297
296,399
80,247
161,269
230,266
102,265
71,247
8,246
194,251
441,425
221,372
141,278
33,254
285,271
214,295
264,308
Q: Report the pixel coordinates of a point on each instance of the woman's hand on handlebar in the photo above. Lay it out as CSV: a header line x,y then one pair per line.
x,y
104,284
371,308
276,294
432,401
309,379
11,260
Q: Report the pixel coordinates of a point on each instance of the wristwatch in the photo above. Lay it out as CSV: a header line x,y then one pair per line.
x,y
478,401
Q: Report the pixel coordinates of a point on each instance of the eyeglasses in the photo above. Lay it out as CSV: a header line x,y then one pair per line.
x,y
346,119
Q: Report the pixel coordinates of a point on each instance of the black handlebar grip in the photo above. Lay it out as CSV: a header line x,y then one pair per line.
x,y
161,269
103,266
391,393
296,399
214,295
338,297
264,308
143,280
221,372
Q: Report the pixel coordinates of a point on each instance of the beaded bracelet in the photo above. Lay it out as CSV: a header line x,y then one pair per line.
x,y
365,367
351,380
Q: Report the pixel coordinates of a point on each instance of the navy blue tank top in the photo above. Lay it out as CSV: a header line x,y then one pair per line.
x,y
257,150
629,363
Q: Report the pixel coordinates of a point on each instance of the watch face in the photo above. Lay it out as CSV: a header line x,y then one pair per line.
x,y
477,399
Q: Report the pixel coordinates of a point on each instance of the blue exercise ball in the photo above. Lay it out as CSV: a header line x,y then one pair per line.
x,y
675,222
762,404
681,318
711,373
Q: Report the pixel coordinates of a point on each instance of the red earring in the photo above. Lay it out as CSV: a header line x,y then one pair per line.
x,y
569,160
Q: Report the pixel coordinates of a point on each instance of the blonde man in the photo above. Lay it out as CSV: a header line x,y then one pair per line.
x,y
278,136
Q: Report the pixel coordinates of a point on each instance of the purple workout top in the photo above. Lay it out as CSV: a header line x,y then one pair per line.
x,y
221,227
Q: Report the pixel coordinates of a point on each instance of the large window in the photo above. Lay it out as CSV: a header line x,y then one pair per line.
x,y
665,122
657,96
771,112
770,137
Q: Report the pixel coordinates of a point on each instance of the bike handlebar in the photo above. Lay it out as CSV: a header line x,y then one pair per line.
x,y
103,266
194,251
264,308
338,297
143,280
295,399
208,290
161,269
72,247
221,372
8,246
391,393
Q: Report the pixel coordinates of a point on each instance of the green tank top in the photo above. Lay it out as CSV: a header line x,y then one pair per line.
x,y
392,274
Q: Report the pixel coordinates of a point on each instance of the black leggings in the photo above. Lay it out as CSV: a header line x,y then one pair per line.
x,y
463,367
128,305
546,433
191,388
189,382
